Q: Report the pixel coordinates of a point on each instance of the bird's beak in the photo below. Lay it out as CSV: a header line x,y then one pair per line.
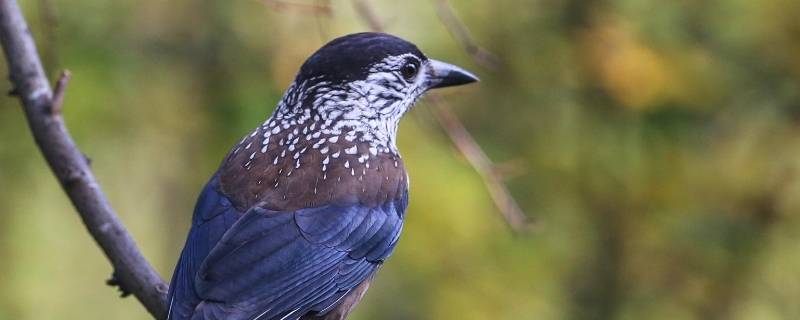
x,y
442,75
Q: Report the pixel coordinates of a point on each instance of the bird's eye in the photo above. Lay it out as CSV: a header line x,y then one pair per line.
x,y
409,70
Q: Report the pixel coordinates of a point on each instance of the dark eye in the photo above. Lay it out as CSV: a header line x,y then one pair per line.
x,y
409,70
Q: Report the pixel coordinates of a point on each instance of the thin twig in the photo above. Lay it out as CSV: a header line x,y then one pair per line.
x,y
465,143
319,9
314,8
483,57
58,93
368,15
131,269
318,20
477,158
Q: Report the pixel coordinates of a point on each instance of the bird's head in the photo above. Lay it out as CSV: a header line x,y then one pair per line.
x,y
366,80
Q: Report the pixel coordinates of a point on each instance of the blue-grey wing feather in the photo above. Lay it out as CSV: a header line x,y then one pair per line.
x,y
282,265
213,216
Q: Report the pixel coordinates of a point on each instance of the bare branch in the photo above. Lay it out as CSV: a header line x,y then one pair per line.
x,y
319,9
58,93
314,8
368,15
483,57
472,151
474,154
42,109
323,34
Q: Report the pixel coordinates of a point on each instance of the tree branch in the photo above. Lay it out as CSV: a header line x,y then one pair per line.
x,y
314,8
366,13
42,109
472,151
459,31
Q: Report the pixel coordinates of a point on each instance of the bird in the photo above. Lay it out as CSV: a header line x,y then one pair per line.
x,y
304,210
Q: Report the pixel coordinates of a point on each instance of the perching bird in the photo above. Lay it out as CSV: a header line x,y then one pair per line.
x,y
305,209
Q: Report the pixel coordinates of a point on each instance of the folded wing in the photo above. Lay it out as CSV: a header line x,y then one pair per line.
x,y
283,265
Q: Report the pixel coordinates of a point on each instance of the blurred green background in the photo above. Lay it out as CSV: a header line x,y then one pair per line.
x,y
655,143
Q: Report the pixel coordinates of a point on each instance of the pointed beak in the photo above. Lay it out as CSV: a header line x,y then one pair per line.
x,y
442,75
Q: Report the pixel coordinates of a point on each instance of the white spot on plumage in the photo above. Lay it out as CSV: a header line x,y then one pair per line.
x,y
365,110
347,164
336,155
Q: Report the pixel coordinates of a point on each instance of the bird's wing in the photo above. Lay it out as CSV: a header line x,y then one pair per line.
x,y
213,215
282,265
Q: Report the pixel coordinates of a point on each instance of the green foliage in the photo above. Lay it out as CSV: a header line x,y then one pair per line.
x,y
659,142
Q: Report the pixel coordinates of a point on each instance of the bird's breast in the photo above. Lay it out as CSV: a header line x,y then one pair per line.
x,y
295,168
